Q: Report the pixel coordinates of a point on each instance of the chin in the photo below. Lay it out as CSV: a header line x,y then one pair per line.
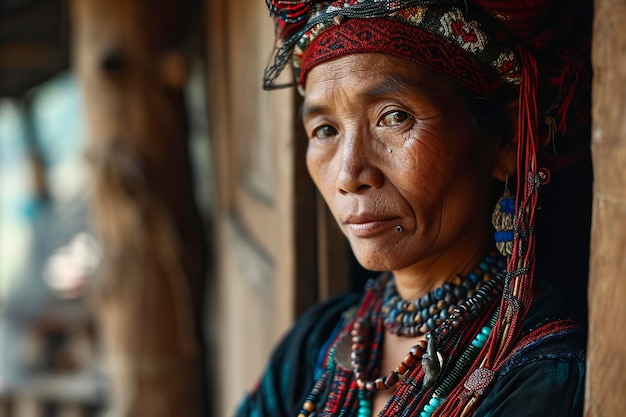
x,y
378,254
374,263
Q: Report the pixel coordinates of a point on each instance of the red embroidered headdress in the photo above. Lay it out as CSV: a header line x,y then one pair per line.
x,y
429,35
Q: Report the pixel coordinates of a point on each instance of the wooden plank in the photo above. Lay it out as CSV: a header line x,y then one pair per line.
x,y
265,229
606,357
333,254
306,222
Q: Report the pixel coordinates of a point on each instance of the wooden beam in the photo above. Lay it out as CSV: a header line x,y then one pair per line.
x,y
129,60
606,358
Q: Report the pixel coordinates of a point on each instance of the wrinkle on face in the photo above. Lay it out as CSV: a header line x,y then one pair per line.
x,y
435,171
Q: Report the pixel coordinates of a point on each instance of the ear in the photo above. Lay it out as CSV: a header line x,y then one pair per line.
x,y
505,160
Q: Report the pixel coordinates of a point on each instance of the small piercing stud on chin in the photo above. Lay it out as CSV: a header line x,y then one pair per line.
x,y
399,229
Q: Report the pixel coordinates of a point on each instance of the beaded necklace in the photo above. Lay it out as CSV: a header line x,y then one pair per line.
x,y
420,380
418,317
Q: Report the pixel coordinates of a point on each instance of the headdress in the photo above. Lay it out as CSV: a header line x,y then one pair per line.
x,y
417,30
488,46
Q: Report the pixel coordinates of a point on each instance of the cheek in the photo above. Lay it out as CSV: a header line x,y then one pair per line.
x,y
431,174
319,166
420,166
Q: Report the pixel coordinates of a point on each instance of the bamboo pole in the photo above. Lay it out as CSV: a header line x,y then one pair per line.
x,y
606,358
129,61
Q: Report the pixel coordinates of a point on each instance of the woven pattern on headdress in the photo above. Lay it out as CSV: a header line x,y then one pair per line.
x,y
433,35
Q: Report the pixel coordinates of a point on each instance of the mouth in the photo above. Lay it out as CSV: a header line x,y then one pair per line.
x,y
369,226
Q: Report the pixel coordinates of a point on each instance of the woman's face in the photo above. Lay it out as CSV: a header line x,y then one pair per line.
x,y
391,144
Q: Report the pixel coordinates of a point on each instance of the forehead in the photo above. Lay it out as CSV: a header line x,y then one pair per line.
x,y
371,75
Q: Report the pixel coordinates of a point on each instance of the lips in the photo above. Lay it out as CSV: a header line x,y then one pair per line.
x,y
369,225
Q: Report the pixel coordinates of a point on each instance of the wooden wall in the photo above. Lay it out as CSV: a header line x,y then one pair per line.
x,y
264,208
606,357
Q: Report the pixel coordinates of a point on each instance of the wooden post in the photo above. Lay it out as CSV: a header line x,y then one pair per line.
x,y
606,358
129,60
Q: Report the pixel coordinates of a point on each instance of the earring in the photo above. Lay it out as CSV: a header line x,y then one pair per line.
x,y
503,220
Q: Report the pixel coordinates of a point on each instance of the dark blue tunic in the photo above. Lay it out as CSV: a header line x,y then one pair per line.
x,y
544,378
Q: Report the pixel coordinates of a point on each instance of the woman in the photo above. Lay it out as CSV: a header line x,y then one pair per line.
x,y
411,109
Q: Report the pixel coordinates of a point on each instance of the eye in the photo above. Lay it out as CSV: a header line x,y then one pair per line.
x,y
394,118
324,132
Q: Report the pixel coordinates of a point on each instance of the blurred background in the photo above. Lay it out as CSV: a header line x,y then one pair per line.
x,y
51,354
48,251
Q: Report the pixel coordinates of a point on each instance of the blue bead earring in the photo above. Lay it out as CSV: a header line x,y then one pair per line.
x,y
503,220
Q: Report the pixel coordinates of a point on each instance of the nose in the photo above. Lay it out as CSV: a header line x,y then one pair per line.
x,y
359,170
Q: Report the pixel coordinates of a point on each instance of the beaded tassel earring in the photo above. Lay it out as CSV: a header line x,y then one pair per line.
x,y
503,220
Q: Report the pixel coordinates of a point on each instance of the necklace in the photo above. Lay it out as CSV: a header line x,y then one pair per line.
x,y
423,351
345,385
418,317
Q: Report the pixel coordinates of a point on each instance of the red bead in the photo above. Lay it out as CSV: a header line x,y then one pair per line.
x,y
402,368
391,379
410,360
419,348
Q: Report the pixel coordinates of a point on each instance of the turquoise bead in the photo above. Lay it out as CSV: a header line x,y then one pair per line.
x,y
481,337
435,402
429,408
477,343
425,414
486,330
365,408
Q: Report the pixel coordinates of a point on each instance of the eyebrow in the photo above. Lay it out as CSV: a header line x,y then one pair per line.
x,y
308,109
